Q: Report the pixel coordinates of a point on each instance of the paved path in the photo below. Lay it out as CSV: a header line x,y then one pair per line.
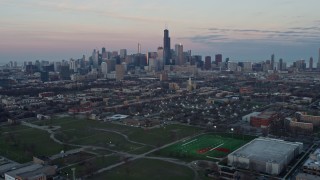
x,y
123,135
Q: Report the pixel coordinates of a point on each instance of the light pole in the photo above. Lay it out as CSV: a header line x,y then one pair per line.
x,y
73,173
232,132
215,128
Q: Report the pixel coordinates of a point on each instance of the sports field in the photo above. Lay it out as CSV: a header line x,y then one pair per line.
x,y
207,146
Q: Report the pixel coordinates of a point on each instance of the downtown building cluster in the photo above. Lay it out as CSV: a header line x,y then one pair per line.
x,y
165,60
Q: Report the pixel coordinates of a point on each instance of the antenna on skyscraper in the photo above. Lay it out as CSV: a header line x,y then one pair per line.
x,y
166,26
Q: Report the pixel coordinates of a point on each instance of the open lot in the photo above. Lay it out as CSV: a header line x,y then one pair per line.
x,y
148,169
207,146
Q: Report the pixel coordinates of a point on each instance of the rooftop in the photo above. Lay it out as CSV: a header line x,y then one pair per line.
x,y
314,160
267,150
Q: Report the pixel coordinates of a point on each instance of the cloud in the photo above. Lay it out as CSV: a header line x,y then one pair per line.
x,y
290,36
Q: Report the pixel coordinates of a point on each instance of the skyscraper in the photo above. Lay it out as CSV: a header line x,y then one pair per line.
x,y
104,53
95,58
318,64
104,68
272,62
218,59
207,63
179,54
311,63
139,48
281,64
123,53
166,48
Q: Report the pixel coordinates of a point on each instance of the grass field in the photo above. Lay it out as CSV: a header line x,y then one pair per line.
x,y
90,166
82,131
20,143
207,146
148,169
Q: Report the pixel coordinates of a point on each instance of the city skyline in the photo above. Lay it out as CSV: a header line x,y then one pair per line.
x,y
242,30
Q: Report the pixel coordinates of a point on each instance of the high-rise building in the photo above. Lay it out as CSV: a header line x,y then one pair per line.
x,y
104,68
272,62
104,53
207,63
160,57
123,53
95,58
311,63
151,55
218,59
318,64
65,72
139,48
281,64
73,65
166,48
120,71
179,54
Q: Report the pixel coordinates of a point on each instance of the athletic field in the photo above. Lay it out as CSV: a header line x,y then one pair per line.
x,y
208,146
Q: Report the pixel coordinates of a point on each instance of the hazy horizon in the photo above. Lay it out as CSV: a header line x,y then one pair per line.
x,y
245,30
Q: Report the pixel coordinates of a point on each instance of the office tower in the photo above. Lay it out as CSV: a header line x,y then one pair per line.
x,y
57,66
73,65
104,53
179,54
104,68
123,53
318,64
153,65
218,59
272,62
114,54
281,64
160,57
197,60
207,63
166,47
311,63
65,72
95,58
151,55
120,72
139,48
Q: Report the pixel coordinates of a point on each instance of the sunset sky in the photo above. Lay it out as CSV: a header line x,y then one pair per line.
x,y
239,29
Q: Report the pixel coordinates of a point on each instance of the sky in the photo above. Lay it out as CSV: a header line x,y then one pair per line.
x,y
244,30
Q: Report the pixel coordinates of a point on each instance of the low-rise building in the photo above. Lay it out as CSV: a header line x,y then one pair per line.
x,y
263,119
31,171
312,165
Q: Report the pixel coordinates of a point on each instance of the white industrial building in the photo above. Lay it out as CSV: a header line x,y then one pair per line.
x,y
265,155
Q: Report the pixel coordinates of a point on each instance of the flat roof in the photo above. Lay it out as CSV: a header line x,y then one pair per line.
x,y
313,162
25,169
266,149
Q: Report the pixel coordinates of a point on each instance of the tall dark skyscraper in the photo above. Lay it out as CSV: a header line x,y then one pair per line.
x,y
218,59
272,62
166,48
281,64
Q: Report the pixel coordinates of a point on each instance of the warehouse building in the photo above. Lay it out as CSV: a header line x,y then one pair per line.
x,y
265,155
